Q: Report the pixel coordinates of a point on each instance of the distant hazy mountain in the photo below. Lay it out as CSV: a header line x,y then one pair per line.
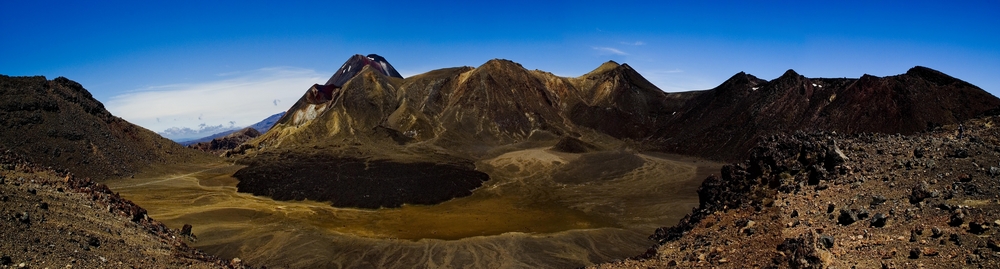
x,y
266,124
261,126
179,134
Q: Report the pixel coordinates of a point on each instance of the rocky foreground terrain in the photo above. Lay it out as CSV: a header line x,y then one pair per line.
x,y
56,220
828,200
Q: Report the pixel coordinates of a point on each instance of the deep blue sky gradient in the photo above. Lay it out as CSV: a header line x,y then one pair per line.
x,y
117,47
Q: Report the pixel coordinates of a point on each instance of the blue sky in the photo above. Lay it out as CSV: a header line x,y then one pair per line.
x,y
181,63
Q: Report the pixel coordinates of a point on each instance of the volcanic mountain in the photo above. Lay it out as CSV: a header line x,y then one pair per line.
x,y
470,111
464,114
723,123
57,123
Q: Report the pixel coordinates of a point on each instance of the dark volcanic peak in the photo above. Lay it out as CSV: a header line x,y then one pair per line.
x,y
741,80
934,76
354,65
790,73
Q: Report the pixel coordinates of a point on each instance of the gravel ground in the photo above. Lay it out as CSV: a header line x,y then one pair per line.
x,y
52,220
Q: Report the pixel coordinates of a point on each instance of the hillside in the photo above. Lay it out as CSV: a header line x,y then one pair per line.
x,y
55,220
725,122
828,200
57,123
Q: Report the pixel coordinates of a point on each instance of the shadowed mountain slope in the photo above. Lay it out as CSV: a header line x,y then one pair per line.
x,y
724,123
57,123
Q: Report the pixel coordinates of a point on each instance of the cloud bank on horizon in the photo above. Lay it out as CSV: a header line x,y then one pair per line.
x,y
237,98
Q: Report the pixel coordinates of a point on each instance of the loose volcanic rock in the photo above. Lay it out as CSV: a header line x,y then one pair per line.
x,y
936,232
879,220
186,230
877,200
827,241
956,218
847,217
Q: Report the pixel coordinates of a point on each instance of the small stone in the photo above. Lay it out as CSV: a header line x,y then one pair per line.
x,y
957,218
93,241
978,227
847,217
879,220
994,171
918,152
964,178
826,241
24,218
43,206
5,260
186,230
795,213
749,231
877,200
919,193
914,253
954,238
936,232
723,260
930,252
960,153
862,214
830,207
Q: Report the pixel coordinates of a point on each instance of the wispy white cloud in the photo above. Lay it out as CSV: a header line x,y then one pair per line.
x,y
240,97
637,43
610,50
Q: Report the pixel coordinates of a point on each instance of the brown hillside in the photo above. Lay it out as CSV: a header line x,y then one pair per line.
x,y
57,123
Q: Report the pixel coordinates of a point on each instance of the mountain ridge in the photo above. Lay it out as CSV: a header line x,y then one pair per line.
x,y
465,114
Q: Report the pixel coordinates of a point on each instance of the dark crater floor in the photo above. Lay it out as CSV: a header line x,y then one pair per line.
x,y
349,182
